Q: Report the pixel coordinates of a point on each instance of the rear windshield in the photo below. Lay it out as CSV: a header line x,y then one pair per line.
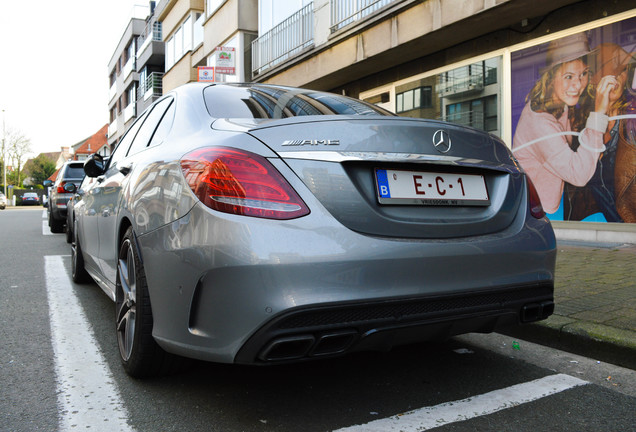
x,y
265,102
74,171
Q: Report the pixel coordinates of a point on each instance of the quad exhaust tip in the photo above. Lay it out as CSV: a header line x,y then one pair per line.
x,y
300,346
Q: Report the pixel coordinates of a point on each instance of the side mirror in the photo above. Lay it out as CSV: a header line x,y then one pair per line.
x,y
70,187
47,183
94,165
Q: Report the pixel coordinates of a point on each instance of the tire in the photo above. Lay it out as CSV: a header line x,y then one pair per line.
x,y
78,271
140,354
56,225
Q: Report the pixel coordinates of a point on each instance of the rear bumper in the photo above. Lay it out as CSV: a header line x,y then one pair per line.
x,y
226,288
323,331
59,208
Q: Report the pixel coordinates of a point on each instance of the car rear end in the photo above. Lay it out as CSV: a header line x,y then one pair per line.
x,y
71,172
449,215
384,231
30,198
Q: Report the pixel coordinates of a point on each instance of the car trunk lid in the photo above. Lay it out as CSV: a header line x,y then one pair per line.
x,y
342,159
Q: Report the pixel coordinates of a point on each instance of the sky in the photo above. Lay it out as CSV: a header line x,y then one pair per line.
x,y
54,59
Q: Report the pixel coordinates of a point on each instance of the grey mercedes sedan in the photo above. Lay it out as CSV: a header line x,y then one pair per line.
x,y
261,224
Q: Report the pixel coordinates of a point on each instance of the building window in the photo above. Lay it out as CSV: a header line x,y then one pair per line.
x,y
213,5
181,42
417,98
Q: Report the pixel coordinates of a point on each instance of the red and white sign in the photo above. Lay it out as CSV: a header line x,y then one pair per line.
x,y
225,60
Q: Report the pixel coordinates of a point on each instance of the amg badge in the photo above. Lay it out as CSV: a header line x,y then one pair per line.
x,y
311,142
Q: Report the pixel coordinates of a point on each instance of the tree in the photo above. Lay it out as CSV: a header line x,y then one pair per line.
x,y
40,168
17,147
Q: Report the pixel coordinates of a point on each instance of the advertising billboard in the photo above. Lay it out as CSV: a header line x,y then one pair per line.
x,y
574,122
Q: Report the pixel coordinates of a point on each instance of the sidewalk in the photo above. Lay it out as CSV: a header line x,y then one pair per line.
x,y
595,296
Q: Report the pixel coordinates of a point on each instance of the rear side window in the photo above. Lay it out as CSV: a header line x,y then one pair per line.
x,y
74,171
270,102
142,140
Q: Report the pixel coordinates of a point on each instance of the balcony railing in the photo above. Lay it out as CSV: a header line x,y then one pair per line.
x,y
345,12
465,79
466,118
152,32
285,40
151,87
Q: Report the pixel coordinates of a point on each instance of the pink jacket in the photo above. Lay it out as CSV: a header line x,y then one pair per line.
x,y
541,145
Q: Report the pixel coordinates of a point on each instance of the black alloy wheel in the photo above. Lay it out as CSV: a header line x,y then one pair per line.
x,y
140,354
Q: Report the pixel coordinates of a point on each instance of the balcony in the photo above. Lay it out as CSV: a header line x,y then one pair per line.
x,y
466,118
151,33
345,12
112,128
152,87
129,67
287,39
112,92
130,111
465,80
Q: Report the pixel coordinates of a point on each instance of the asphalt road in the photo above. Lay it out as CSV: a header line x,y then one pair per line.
x,y
59,370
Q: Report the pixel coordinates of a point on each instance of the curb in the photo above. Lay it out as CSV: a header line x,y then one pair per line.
x,y
595,232
597,341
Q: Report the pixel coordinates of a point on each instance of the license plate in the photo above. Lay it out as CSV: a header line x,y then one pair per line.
x,y
430,188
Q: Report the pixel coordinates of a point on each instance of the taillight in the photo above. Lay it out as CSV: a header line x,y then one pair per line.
x,y
242,183
534,202
60,188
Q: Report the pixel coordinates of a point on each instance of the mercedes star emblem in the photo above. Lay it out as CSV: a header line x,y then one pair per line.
x,y
442,141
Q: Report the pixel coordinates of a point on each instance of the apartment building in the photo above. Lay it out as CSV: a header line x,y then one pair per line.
x,y
124,81
135,71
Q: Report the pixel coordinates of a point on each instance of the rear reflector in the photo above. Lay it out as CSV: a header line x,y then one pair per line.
x,y
242,183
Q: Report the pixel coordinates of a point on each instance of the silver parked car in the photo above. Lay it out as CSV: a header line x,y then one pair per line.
x,y
260,224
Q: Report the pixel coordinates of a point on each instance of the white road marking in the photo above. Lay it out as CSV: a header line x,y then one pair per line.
x,y
45,228
45,224
86,392
485,404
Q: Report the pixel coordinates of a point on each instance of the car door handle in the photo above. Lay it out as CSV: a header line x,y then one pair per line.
x,y
125,169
